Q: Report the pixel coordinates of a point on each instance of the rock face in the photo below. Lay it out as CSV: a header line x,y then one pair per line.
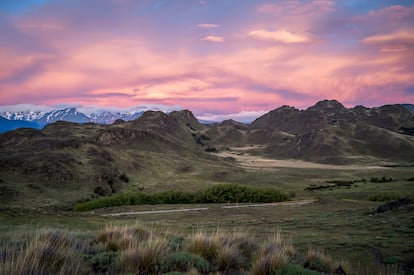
x,y
327,132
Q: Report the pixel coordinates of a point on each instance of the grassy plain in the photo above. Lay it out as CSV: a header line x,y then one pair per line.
x,y
340,221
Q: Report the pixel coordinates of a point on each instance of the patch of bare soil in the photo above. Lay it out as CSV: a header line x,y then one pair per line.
x,y
249,161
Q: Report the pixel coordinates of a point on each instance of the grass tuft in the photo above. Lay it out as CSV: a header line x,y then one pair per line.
x,y
144,258
116,238
47,252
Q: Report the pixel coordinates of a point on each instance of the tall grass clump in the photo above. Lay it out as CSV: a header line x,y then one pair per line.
x,y
144,258
185,262
116,238
204,245
318,260
273,256
48,251
226,252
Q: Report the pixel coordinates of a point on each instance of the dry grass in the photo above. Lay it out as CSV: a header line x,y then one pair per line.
x,y
317,259
135,250
47,252
204,245
273,255
117,238
269,263
145,258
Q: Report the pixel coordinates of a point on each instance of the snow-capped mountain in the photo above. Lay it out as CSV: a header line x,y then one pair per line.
x,y
25,116
40,119
107,117
69,114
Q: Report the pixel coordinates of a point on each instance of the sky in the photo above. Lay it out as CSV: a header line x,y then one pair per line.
x,y
218,58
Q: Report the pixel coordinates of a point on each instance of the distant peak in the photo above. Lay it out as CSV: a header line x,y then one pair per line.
x,y
183,114
328,105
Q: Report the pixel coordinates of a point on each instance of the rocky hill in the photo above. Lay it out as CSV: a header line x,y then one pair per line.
x,y
170,151
327,132
84,160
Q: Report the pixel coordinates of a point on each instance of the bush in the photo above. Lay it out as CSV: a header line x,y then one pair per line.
x,y
319,261
384,197
292,269
223,193
123,177
103,262
212,150
184,262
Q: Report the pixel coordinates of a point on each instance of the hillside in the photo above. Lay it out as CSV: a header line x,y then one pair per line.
x,y
159,151
90,160
327,132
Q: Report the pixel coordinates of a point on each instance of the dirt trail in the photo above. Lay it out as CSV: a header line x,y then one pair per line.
x,y
260,163
301,202
156,212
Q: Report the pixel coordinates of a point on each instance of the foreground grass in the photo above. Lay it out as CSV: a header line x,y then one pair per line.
x,y
139,250
223,193
344,229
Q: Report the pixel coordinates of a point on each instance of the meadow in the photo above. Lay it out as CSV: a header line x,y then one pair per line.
x,y
339,225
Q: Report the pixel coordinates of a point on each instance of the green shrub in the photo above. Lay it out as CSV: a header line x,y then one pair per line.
x,y
292,269
102,262
123,177
212,150
223,193
184,261
384,197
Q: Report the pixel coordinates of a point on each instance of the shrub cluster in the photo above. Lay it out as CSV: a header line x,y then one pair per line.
x,y
385,196
224,193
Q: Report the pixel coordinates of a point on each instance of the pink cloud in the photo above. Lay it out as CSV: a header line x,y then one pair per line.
x,y
296,7
282,36
213,38
91,64
207,26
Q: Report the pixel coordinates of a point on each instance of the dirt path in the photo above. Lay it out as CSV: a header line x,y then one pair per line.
x,y
271,204
156,212
248,161
302,202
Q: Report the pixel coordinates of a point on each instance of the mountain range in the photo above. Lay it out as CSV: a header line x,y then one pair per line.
x,y
160,150
39,119
11,120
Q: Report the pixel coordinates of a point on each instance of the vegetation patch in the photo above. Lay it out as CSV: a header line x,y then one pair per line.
x,y
145,251
225,193
385,196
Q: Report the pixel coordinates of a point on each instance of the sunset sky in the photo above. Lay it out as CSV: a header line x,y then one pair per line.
x,y
214,57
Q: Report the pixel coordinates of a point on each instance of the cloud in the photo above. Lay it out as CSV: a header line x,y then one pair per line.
x,y
297,7
63,52
213,38
207,26
25,108
282,36
395,37
243,116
